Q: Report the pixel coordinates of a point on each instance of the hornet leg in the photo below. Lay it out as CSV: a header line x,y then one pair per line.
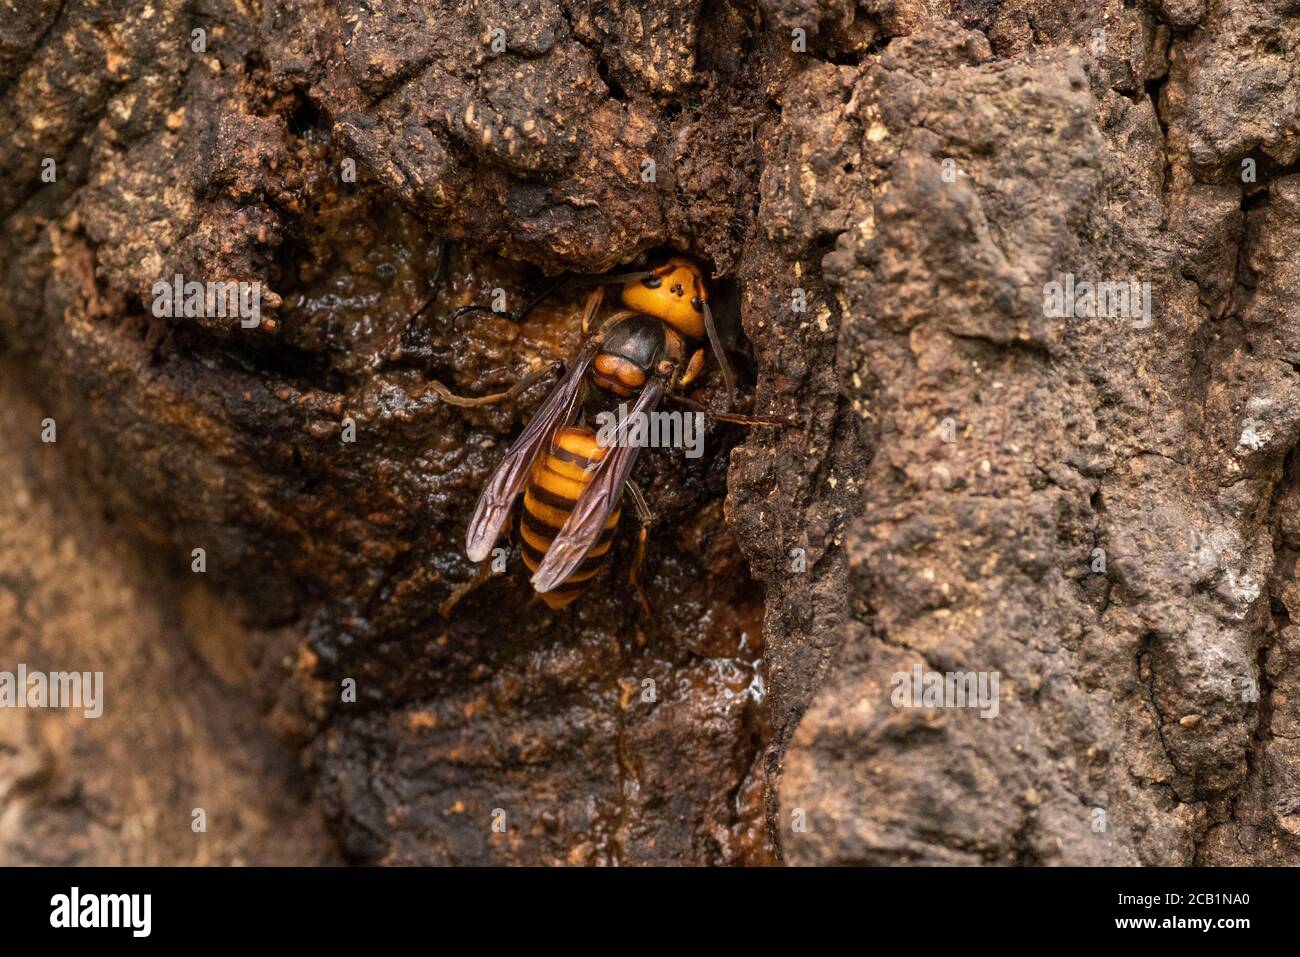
x,y
646,518
484,570
594,300
478,401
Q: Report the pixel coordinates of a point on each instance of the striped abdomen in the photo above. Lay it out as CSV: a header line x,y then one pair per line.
x,y
557,479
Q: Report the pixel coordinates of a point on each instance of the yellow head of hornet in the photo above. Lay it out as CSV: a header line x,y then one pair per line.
x,y
675,293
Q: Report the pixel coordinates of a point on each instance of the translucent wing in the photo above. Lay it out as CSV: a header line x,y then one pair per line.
x,y
493,508
597,502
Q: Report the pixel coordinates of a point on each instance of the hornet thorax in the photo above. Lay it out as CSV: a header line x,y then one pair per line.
x,y
629,354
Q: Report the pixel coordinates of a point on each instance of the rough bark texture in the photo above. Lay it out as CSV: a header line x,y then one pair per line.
x,y
920,170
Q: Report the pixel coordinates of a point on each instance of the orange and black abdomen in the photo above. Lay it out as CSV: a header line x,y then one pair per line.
x,y
558,478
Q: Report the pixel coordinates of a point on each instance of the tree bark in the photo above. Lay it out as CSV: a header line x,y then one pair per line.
x,y
1094,508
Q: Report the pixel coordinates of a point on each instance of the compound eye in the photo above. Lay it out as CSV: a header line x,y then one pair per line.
x,y
652,282
697,305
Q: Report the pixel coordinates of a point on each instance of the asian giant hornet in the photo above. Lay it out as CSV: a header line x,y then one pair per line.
x,y
572,485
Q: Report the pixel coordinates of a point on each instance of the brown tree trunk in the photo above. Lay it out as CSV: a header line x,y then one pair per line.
x,y
1091,509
